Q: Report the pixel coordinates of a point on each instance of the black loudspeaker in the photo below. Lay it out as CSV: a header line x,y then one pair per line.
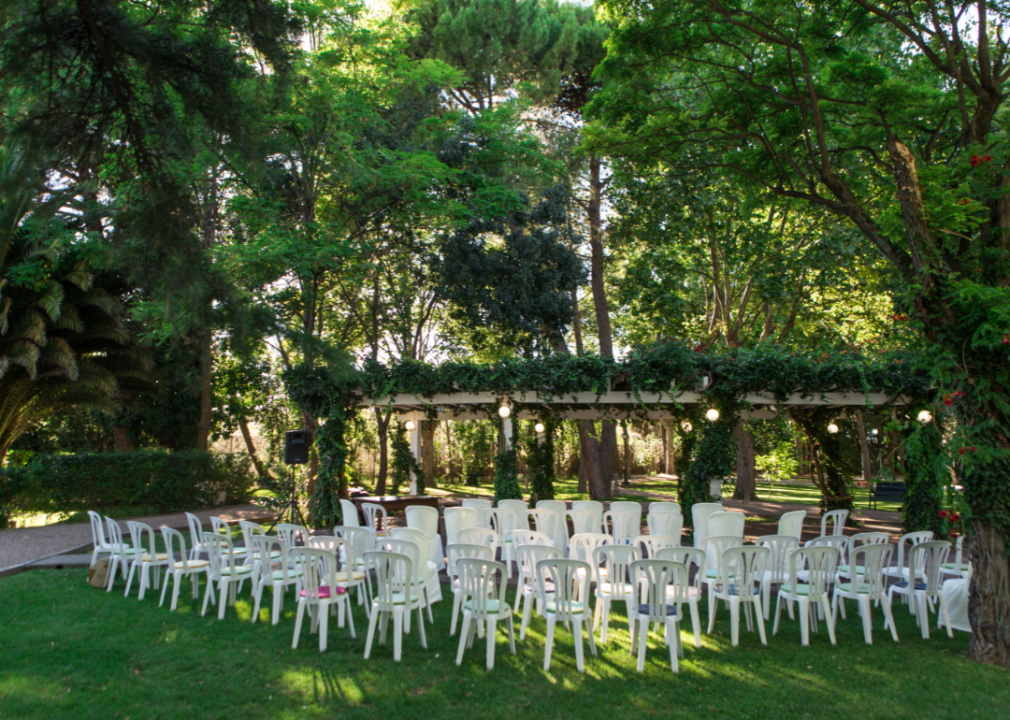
x,y
296,447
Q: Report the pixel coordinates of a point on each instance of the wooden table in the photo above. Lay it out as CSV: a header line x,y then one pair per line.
x,y
396,502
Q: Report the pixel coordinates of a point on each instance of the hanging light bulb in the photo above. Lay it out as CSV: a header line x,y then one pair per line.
x,y
504,412
411,425
925,416
686,426
712,415
539,427
832,428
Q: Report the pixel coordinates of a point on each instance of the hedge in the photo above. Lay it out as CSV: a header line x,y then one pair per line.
x,y
157,480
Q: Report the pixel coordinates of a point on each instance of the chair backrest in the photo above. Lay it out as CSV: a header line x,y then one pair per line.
x,y
667,523
503,522
476,582
726,523
481,506
781,548
531,537
423,518
418,538
699,516
547,522
457,551
331,543
741,567
528,556
661,507
584,521
686,556
349,514
838,517
611,563
393,573
560,525
264,546
359,541
175,546
929,557
716,545
869,538
221,553
651,598
375,517
291,534
115,535
97,529
479,536
564,575
249,530
839,542
520,508
221,527
456,519
593,506
821,563
912,539
627,506
654,543
874,558
791,523
557,506
319,568
403,546
195,530
142,536
582,546
622,525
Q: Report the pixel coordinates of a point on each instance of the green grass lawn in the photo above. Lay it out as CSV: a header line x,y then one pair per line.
x,y
567,489
70,651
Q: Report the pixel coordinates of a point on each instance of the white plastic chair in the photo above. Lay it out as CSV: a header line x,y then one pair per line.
x,y
225,571
221,527
425,519
180,568
560,509
562,577
349,514
482,605
527,590
548,523
122,553
376,520
145,557
349,551
838,518
611,564
791,523
457,519
481,506
666,523
289,573
293,535
395,594
821,564
899,570
622,525
781,548
102,546
627,506
927,556
503,522
956,567
726,523
740,571
319,594
690,593
195,535
583,521
359,542
583,547
715,546
480,536
456,552
593,506
249,531
663,507
870,538
868,588
427,570
650,606
654,543
531,537
699,518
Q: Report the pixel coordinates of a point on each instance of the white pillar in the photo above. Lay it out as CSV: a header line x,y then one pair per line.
x,y
507,431
415,450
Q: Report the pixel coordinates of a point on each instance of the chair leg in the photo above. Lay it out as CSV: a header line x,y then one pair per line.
x,y
278,601
577,629
457,601
804,622
492,630
113,564
923,614
372,620
165,588
886,605
713,607
324,627
175,592
398,633
643,642
206,597
696,624
828,619
734,622
223,591
946,617
464,634
759,618
551,622
864,611
527,613
766,599
592,642
383,624
778,614
512,635
129,579
605,618
673,635
420,628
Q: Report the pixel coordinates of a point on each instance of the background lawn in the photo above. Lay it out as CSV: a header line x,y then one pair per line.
x,y
72,651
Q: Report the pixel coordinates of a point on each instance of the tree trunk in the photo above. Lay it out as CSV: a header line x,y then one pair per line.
x,y
864,448
382,422
251,449
428,452
206,396
745,481
583,465
989,596
309,425
598,455
122,437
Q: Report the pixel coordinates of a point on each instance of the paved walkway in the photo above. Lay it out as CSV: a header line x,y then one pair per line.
x,y
24,545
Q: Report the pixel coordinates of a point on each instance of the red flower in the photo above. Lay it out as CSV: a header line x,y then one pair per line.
x,y
947,401
944,514
973,449
959,394
974,160
954,517
986,158
964,201
961,451
1006,339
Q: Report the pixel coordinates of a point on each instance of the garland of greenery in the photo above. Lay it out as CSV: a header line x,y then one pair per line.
x,y
506,477
926,478
830,473
540,456
713,461
404,462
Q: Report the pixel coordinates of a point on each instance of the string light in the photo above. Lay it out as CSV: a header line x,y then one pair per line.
x,y
411,425
832,428
925,416
504,412
686,426
539,427
712,415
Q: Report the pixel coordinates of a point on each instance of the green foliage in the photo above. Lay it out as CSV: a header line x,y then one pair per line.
x,y
404,463
540,458
159,480
506,477
927,475
830,469
712,461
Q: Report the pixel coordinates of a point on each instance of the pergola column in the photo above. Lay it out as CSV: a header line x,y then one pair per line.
x,y
415,450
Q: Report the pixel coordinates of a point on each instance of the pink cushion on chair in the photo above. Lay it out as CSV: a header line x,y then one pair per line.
x,y
324,591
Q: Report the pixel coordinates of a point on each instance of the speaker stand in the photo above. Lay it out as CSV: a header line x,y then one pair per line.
x,y
292,505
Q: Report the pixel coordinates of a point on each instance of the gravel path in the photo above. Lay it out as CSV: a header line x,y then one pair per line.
x,y
26,544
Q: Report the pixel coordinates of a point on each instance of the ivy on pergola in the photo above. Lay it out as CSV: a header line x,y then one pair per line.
x,y
662,381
